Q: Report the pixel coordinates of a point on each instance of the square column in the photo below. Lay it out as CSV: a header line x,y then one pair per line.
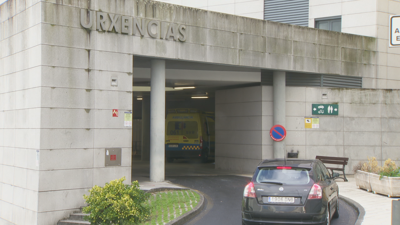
x,y
279,83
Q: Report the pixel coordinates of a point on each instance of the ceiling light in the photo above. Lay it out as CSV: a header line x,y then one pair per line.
x,y
181,88
199,97
139,98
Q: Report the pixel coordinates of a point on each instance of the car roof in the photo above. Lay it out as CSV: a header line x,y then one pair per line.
x,y
304,163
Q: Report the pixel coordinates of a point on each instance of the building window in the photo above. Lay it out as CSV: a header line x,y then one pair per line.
x,y
333,24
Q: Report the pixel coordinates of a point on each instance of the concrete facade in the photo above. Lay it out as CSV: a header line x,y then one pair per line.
x,y
367,125
58,91
368,18
55,111
248,8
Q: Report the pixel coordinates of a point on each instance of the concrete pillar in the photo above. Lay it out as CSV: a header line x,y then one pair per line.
x,y
157,121
279,82
146,128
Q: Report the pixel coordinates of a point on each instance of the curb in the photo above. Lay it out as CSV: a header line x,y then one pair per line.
x,y
191,214
188,215
164,189
357,207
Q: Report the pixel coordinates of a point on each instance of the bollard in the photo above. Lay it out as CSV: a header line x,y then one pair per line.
x,y
396,212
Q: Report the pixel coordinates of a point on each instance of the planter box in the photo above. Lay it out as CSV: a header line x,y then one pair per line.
x,y
379,186
389,186
362,180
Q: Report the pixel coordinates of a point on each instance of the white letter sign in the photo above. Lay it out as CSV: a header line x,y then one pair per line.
x,y
394,25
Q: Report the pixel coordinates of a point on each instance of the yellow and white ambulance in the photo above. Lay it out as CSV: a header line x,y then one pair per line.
x,y
189,133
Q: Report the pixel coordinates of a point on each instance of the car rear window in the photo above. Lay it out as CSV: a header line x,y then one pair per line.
x,y
285,176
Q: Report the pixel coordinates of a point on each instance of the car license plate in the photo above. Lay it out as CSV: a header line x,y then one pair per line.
x,y
173,146
281,199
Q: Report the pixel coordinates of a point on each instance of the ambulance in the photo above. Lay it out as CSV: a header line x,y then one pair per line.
x,y
189,133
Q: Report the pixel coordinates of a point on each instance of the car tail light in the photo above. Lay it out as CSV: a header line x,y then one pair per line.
x,y
284,168
316,192
201,142
249,191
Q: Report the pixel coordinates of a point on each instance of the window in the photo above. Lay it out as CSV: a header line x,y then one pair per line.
x,y
319,176
285,176
333,24
323,173
188,129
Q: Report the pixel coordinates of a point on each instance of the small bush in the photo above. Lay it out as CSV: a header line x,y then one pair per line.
x,y
389,169
117,203
371,166
358,166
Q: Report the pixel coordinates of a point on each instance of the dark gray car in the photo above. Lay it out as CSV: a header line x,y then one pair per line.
x,y
291,192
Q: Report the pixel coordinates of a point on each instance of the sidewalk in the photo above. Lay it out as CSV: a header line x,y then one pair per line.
x,y
146,184
378,208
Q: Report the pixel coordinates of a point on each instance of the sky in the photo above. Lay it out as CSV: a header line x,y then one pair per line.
x,y
1,1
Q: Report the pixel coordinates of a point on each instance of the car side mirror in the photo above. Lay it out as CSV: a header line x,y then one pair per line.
x,y
334,175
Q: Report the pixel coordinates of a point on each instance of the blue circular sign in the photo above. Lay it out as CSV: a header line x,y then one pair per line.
x,y
277,133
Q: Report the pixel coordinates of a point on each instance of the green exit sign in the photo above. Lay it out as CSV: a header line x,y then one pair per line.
x,y
325,109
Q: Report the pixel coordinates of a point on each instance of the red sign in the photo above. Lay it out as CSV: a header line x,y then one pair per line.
x,y
113,157
115,112
277,133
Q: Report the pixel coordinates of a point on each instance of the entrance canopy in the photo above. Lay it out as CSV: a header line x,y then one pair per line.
x,y
160,30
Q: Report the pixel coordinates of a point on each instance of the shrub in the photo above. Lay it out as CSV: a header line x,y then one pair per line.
x,y
389,169
116,203
358,166
371,166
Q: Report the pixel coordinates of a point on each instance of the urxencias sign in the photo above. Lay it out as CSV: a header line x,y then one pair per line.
x,y
128,25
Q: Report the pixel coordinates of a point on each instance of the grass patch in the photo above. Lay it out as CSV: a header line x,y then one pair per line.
x,y
167,205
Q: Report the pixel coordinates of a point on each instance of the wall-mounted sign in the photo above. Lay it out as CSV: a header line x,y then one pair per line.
x,y
277,133
107,22
394,25
312,122
325,109
115,112
128,119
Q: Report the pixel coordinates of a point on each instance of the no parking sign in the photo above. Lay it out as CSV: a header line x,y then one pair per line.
x,y
277,133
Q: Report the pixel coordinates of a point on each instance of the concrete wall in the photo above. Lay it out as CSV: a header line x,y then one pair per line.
x,y
242,117
56,103
247,8
20,111
369,18
367,125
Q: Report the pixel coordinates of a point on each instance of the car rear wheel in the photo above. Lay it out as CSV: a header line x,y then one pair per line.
x,y
336,215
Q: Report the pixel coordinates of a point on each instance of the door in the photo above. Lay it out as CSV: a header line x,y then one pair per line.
x,y
331,188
